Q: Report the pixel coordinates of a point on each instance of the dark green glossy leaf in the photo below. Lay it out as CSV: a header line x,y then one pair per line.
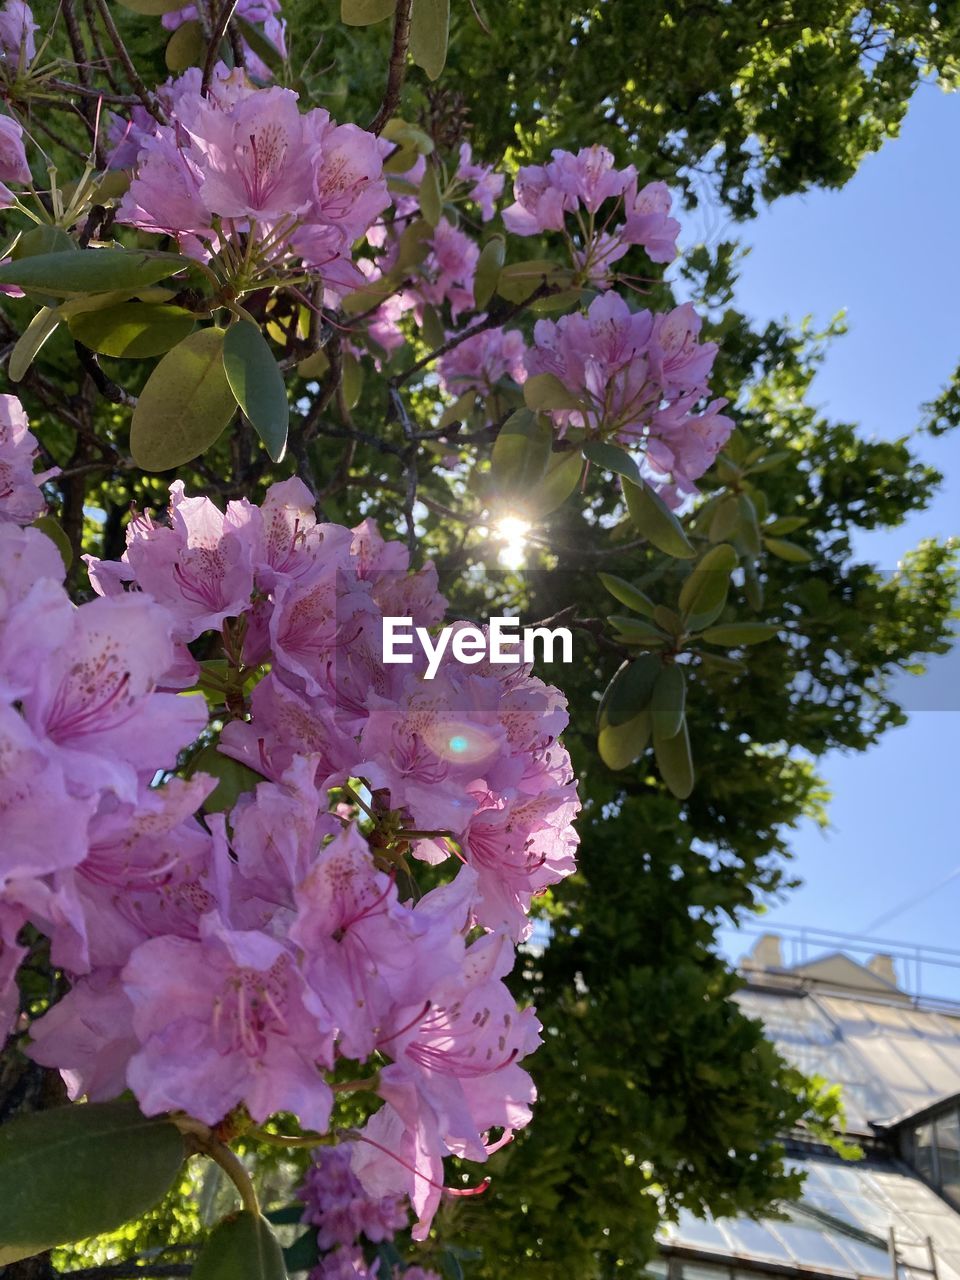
x,y
638,631
185,404
546,391
559,481
431,198
351,380
669,701
78,1171
40,328
624,718
265,49
612,458
361,13
628,594
736,634
487,275
40,240
187,47
704,593
257,385
654,519
522,452
132,330
675,761
784,550
521,279
241,1247
429,33
91,270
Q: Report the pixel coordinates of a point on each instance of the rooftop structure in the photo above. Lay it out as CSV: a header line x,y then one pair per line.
x,y
845,1012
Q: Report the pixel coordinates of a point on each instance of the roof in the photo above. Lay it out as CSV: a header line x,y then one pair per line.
x,y
840,1228
891,1057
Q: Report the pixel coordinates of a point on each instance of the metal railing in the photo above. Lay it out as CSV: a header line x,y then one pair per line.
x,y
914,964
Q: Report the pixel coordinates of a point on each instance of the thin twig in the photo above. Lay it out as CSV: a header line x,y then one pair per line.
x,y
144,94
398,66
213,45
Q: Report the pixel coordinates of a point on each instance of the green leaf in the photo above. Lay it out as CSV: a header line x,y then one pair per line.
x,y
770,462
638,631
91,270
187,47
624,719
257,385
720,662
748,530
369,295
669,701
39,240
487,275
612,458
54,531
241,1247
413,246
786,524
433,331
704,593
361,13
725,519
351,380
521,279
303,1254
787,550
627,594
185,404
675,761
521,452
429,34
559,481
43,324
132,330
80,1170
430,195
234,779
656,521
546,391
733,635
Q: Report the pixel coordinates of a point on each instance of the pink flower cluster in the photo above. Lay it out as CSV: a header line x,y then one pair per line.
x,y
231,962
640,379
13,159
554,197
244,169
17,34
482,362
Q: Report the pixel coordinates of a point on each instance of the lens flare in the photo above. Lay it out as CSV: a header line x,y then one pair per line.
x,y
512,532
461,742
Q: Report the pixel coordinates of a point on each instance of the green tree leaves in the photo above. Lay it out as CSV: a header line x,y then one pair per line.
x,y
80,1170
83,271
132,330
185,404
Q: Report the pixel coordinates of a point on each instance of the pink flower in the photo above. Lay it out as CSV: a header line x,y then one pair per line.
x,y
481,362
89,1035
648,222
21,500
486,186
93,700
16,35
226,1020
335,1202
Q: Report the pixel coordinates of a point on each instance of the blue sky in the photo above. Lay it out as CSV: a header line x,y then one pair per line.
x,y
887,250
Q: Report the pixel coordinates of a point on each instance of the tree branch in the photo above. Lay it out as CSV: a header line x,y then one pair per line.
x,y
398,66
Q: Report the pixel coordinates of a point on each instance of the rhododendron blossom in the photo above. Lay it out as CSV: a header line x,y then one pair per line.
x,y
639,378
244,167
230,962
